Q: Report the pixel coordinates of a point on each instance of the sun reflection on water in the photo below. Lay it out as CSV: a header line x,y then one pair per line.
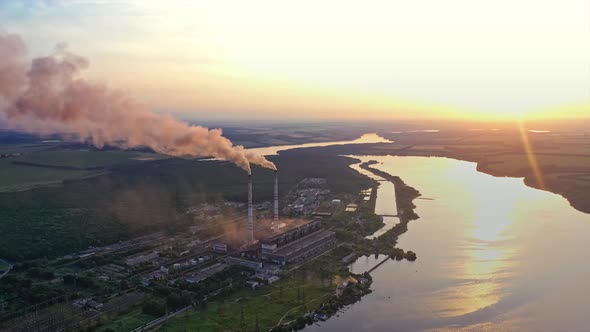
x,y
487,253
488,258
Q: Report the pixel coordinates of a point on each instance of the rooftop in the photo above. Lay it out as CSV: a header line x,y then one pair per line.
x,y
304,242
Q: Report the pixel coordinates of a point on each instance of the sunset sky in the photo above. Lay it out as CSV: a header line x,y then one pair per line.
x,y
327,59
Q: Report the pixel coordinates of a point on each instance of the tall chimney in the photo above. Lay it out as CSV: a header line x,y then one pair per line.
x,y
275,222
250,211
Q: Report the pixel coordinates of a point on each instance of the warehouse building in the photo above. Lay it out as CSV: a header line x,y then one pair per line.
x,y
300,249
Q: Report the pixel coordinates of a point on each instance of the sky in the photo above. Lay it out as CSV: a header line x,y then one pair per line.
x,y
329,59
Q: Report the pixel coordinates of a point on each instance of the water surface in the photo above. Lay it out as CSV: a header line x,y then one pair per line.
x,y
364,139
493,254
386,205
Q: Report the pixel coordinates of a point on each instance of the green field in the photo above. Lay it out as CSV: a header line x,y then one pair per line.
x,y
267,305
126,322
286,300
516,163
36,168
16,178
83,158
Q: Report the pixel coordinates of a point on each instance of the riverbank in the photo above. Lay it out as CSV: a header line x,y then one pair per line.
x,y
404,195
476,240
556,162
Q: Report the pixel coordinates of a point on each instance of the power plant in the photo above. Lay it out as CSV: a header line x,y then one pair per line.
x,y
275,220
250,211
297,241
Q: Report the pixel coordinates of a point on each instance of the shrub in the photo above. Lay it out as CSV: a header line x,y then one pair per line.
x,y
154,308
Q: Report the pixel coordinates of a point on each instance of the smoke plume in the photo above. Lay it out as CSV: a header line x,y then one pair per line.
x,y
48,96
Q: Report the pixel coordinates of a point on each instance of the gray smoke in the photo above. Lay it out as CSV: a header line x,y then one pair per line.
x,y
48,96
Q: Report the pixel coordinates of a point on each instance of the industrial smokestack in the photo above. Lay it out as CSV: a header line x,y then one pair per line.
x,y
275,222
250,211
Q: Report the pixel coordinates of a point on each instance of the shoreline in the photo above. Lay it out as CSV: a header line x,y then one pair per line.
x,y
575,195
385,244
528,178
404,195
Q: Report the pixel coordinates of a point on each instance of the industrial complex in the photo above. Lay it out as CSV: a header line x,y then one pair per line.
x,y
226,243
279,243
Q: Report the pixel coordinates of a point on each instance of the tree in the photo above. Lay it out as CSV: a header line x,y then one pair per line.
x,y
124,285
154,308
69,279
174,301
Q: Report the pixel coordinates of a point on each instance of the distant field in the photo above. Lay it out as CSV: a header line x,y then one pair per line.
x,y
81,158
16,177
513,163
37,168
24,147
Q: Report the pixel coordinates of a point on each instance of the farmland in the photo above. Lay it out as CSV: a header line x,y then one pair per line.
x,y
31,166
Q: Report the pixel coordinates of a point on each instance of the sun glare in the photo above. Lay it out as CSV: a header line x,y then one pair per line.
x,y
531,157
357,59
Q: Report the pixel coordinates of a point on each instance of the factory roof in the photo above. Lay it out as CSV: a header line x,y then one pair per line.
x,y
277,236
303,242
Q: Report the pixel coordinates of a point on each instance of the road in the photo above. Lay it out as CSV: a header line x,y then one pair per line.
x,y
160,320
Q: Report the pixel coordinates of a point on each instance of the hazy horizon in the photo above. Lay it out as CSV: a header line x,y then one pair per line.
x,y
490,61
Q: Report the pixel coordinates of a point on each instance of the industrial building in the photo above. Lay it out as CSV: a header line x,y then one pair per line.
x,y
243,262
133,261
300,240
220,247
301,249
297,243
278,240
196,277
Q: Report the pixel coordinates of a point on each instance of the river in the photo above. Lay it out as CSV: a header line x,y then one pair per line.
x,y
364,139
493,254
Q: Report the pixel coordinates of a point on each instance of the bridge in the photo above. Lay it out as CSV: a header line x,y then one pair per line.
x,y
378,264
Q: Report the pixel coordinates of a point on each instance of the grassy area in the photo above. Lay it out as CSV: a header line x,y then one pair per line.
x,y
519,163
299,292
127,321
17,178
7,148
82,158
286,300
36,168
